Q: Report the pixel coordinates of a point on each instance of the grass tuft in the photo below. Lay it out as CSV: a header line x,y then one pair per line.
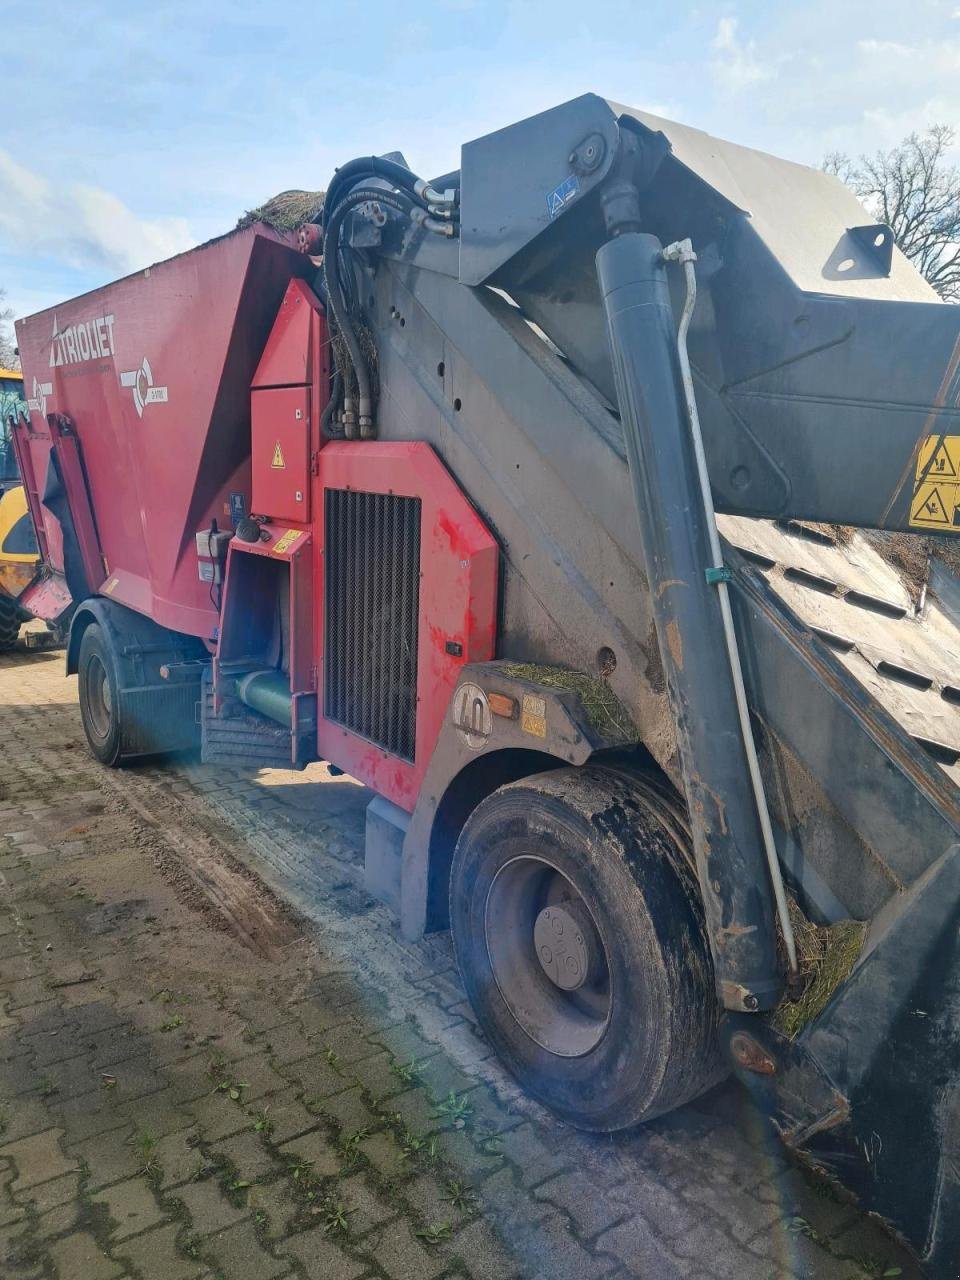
x,y
604,709
826,955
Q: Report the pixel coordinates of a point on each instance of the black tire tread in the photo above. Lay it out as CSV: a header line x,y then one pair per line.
x,y
636,836
9,623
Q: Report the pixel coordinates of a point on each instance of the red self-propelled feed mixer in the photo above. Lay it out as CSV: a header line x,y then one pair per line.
x,y
521,508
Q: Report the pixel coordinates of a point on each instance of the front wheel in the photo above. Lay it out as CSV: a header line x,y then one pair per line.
x,y
579,933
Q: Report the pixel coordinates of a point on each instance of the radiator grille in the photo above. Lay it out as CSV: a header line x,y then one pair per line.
x,y
371,604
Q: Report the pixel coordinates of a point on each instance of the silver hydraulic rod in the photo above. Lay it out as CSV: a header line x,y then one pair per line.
x,y
682,251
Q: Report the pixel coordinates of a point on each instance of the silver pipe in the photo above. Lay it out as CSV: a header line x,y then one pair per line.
x,y
682,251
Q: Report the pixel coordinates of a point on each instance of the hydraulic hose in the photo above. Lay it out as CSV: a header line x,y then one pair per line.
x,y
326,418
397,175
335,291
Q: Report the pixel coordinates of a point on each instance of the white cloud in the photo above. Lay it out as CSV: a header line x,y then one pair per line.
x,y
82,226
735,63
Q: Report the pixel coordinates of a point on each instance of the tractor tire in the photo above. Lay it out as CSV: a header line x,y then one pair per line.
x,y
578,928
9,623
99,696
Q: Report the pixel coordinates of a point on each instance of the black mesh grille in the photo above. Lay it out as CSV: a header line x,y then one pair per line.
x,y
371,603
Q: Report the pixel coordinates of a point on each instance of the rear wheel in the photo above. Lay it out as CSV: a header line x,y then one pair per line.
x,y
9,623
99,696
578,928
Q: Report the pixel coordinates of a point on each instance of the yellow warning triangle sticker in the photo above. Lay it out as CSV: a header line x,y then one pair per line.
x,y
929,508
278,461
941,465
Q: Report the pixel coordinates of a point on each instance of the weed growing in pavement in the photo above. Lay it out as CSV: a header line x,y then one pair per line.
x,y
233,1089
191,1246
217,1066
203,1170
460,1195
349,1146
335,1217
146,1144
165,996
435,1234
489,1141
456,1108
302,1171
262,1122
407,1073
46,1087
172,1023
415,1146
332,1057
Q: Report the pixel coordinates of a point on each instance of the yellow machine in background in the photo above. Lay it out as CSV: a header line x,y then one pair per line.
x,y
18,547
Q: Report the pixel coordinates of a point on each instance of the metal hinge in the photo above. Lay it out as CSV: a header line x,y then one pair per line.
x,y
315,463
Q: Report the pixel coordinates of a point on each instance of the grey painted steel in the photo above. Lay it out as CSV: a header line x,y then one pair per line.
x,y
727,837
386,828
541,457
803,346
510,753
869,1089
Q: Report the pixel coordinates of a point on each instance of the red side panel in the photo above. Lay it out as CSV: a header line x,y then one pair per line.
x,y
457,600
154,372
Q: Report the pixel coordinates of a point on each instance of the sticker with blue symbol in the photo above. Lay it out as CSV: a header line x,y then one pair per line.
x,y
238,508
568,190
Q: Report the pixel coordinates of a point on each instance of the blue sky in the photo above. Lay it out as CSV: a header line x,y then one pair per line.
x,y
134,130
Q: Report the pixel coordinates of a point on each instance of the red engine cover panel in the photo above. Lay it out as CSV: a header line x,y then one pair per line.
x,y
457,599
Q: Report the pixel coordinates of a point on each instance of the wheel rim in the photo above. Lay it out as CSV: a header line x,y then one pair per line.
x,y
548,957
99,698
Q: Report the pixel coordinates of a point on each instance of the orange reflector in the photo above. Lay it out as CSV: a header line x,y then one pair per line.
x,y
502,705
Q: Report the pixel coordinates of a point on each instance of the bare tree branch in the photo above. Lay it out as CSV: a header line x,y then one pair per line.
x,y
8,347
916,191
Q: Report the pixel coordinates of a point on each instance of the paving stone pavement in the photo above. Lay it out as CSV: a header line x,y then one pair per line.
x,y
198,1081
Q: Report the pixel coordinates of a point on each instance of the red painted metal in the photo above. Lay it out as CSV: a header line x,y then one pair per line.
x,y
155,371
66,446
297,351
292,379
458,599
280,445
46,598
153,391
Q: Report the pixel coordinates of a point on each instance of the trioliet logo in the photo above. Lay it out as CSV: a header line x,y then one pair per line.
x,y
85,340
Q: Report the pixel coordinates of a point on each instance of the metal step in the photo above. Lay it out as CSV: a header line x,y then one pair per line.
x,y
243,738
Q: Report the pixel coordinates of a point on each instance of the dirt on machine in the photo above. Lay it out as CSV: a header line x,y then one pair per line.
x,y
555,499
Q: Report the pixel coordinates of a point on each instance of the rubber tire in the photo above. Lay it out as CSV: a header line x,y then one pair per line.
x,y
9,624
620,847
95,649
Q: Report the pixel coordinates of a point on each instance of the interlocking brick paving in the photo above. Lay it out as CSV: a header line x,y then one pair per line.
x,y
199,1079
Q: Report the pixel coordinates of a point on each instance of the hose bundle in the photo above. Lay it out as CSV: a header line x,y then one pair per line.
x,y
412,198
